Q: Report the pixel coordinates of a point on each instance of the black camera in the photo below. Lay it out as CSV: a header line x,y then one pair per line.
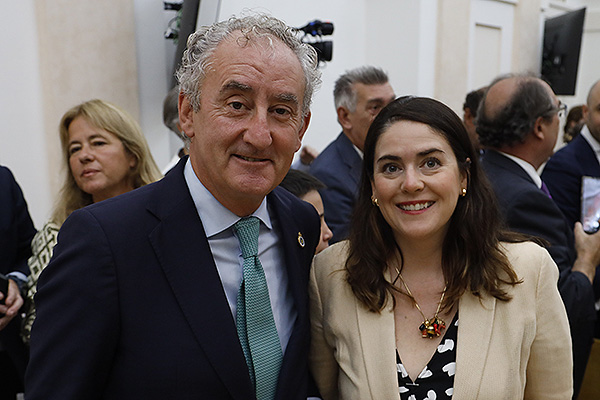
x,y
317,29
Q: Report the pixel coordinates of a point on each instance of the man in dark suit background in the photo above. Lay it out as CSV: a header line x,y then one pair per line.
x,y
579,158
16,233
518,124
359,95
148,295
564,171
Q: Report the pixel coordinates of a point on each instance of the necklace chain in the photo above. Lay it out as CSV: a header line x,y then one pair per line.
x,y
430,328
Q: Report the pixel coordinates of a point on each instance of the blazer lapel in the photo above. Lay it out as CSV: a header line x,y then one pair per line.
x,y
475,325
184,254
378,344
296,257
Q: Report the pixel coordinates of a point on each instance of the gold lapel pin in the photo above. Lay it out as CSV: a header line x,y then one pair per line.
x,y
301,239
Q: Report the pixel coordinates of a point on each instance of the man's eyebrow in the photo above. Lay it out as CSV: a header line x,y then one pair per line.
x,y
235,85
238,86
288,98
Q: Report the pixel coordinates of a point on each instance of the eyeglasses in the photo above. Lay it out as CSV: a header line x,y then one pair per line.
x,y
562,109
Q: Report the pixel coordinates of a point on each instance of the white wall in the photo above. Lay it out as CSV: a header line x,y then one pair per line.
x,y
22,141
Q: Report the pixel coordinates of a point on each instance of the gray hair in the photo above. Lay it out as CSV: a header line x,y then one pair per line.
x,y
344,94
201,45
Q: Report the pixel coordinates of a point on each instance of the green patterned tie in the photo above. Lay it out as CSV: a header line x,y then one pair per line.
x,y
254,317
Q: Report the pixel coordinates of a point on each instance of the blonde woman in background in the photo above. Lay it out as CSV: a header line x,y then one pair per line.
x,y
105,154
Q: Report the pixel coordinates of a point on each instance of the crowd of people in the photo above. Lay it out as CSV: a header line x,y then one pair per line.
x,y
419,255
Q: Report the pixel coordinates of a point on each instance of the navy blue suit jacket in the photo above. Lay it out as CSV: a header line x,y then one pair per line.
x,y
562,174
529,210
132,307
339,168
16,233
16,227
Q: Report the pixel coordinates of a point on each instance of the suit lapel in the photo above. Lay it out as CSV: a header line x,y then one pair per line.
x,y
475,326
294,358
289,231
184,254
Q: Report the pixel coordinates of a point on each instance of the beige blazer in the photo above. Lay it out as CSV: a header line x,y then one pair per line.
x,y
519,349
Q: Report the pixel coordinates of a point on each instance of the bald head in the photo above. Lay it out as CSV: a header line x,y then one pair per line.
x,y
499,95
594,92
591,111
510,109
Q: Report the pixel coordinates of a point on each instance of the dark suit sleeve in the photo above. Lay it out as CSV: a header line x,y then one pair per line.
x,y
535,214
564,185
338,202
16,226
74,337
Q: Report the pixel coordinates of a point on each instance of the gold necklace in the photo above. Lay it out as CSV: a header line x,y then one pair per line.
x,y
432,327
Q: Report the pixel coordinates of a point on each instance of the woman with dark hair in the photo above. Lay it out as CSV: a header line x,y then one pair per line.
x,y
430,297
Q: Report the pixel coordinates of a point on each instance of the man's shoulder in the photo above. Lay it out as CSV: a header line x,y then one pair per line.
x,y
149,201
573,154
499,168
335,156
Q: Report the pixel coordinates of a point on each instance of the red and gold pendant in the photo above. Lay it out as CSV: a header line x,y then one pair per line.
x,y
430,329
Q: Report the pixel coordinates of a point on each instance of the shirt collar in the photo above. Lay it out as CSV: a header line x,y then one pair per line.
x,y
214,216
527,168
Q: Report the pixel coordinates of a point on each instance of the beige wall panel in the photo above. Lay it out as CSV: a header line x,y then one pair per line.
x,y
528,33
487,54
452,66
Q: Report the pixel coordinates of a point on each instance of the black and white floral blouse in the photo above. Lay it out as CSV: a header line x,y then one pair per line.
x,y
436,381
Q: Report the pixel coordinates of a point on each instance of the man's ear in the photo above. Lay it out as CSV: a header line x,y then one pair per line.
x,y
343,118
539,128
186,115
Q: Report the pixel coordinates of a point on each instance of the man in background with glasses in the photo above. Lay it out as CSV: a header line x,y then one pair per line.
x,y
518,123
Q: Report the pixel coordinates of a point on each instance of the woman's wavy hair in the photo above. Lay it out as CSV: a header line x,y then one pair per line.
x,y
107,116
472,256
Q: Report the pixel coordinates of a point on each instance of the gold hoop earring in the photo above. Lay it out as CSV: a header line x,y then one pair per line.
x,y
374,201
464,192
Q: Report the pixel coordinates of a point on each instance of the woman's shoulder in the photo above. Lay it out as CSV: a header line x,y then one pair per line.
x,y
528,258
333,256
331,263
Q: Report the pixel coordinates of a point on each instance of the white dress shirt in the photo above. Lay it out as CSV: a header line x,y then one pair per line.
x,y
218,224
527,168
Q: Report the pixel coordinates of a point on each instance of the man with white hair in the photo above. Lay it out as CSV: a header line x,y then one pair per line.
x,y
195,287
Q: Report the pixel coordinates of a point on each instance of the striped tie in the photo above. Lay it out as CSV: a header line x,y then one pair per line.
x,y
254,317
